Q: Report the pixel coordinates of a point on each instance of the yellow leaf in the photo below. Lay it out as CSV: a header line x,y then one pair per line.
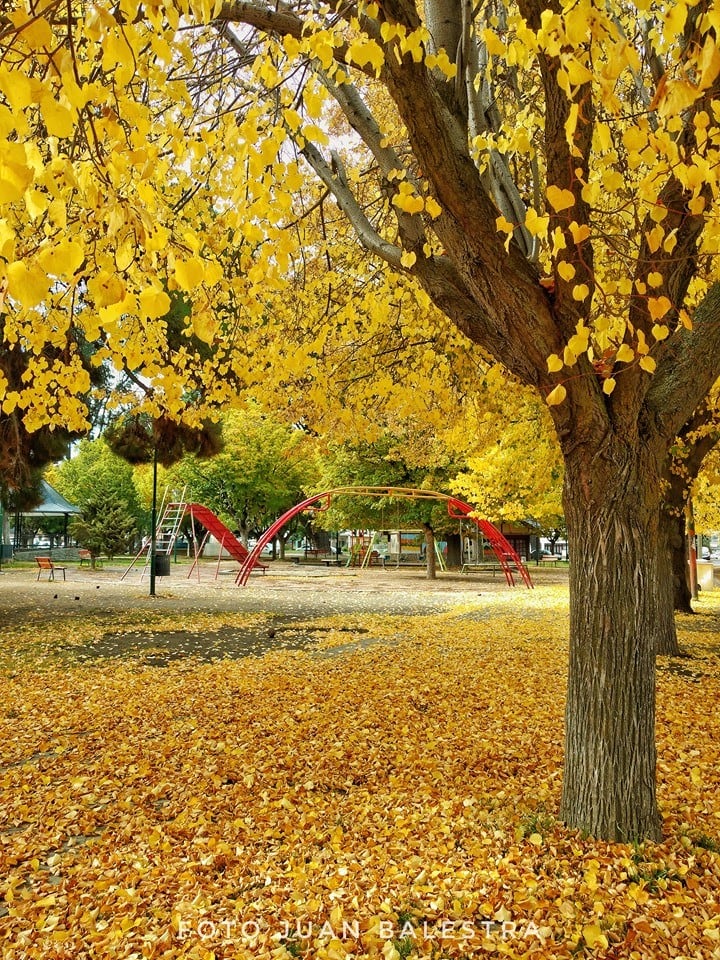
x,y
581,291
16,87
654,237
536,224
62,259
154,303
442,62
368,52
554,363
696,776
189,273
579,231
658,307
504,226
569,357
14,180
556,396
59,121
609,385
709,62
495,46
685,319
625,354
560,199
37,34
28,285
593,935
660,331
204,325
674,17
408,259
433,207
676,96
566,270
647,364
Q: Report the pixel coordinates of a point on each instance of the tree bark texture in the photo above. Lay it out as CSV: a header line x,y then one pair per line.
x,y
676,545
430,560
672,579
616,599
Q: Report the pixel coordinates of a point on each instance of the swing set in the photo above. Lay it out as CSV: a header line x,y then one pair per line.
x,y
505,555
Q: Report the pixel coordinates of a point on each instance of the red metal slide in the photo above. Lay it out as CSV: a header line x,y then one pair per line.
x,y
225,537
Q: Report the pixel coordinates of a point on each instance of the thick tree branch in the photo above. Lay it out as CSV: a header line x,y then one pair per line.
x,y
567,168
687,371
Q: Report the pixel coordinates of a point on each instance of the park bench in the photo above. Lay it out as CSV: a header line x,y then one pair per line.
x,y
550,559
45,563
86,557
481,565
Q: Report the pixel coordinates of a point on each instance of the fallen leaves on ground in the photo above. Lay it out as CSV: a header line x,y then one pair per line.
x,y
390,791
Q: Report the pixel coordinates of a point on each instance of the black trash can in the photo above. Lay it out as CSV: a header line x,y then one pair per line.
x,y
162,564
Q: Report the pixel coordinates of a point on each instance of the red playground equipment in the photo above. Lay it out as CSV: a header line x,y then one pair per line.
x,y
506,556
168,528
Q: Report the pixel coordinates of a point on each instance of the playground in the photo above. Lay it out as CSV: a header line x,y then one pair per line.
x,y
487,546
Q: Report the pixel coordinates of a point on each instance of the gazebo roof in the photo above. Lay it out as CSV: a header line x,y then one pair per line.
x,y
53,505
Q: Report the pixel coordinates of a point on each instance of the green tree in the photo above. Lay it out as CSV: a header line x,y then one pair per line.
x,y
95,475
105,525
261,471
418,461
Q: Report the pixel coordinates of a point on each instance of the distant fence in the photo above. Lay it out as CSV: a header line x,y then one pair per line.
x,y
57,553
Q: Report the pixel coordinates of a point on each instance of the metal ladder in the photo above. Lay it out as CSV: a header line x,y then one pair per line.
x,y
166,531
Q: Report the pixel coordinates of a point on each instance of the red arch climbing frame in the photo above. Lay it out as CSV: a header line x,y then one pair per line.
x,y
456,508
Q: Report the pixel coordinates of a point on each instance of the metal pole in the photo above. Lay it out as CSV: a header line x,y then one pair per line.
x,y
153,523
692,552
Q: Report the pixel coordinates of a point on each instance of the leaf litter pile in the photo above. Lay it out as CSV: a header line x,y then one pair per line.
x,y
389,790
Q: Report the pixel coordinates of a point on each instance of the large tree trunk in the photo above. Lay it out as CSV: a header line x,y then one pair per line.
x,y
680,563
612,510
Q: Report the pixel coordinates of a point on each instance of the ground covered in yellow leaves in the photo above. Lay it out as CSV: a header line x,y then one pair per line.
x,y
386,790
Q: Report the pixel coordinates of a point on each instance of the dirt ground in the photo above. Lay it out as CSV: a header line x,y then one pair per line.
x,y
310,590
275,603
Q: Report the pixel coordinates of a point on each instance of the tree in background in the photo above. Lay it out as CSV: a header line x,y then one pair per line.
x,y
418,461
105,526
262,470
93,477
706,494
687,471
514,468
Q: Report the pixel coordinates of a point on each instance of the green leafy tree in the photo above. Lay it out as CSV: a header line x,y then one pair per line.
x,y
95,474
416,461
106,525
262,470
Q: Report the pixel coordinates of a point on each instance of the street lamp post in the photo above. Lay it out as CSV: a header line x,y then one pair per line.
x,y
153,523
